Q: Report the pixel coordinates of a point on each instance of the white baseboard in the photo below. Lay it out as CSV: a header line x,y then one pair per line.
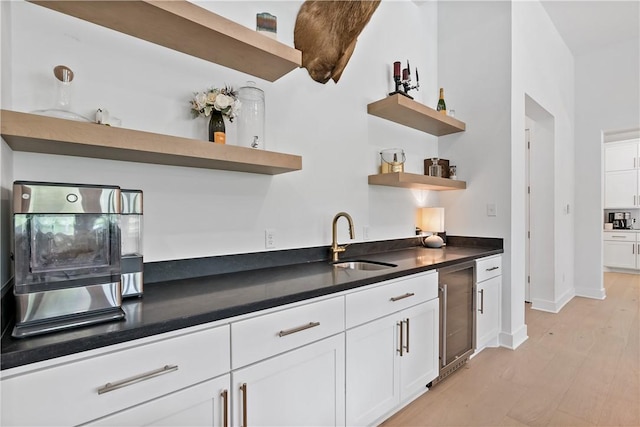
x,y
620,270
514,340
553,306
591,293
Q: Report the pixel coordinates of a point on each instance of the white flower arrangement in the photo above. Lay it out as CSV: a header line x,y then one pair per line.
x,y
224,100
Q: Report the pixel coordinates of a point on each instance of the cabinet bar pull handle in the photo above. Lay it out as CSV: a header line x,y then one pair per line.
x,y
443,349
401,348
633,249
481,301
407,335
136,379
298,329
493,268
225,410
407,295
243,389
619,237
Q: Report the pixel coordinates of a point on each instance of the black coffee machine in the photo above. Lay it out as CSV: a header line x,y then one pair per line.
x,y
620,220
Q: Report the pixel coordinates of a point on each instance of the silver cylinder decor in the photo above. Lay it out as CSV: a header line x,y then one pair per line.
x,y
251,116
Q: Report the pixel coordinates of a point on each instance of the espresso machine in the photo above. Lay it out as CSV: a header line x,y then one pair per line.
x,y
67,255
131,235
620,220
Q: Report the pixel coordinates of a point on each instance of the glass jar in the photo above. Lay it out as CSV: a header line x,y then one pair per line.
x,y
251,116
435,169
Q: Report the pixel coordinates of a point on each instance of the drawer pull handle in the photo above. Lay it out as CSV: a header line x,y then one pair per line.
x,y
136,379
298,329
619,237
407,295
493,268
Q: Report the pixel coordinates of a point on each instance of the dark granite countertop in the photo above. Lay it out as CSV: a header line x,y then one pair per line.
x,y
181,303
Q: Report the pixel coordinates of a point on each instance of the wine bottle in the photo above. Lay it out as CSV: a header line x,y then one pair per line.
x,y
216,128
442,107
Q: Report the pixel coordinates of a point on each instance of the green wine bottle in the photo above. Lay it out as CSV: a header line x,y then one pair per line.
x,y
442,107
216,127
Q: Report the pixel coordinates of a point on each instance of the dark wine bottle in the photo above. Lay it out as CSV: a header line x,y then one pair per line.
x,y
442,107
216,127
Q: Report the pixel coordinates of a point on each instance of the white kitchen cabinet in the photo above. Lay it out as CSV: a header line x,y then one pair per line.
x,y
288,366
82,388
620,249
622,174
488,292
390,360
623,155
205,404
621,189
303,387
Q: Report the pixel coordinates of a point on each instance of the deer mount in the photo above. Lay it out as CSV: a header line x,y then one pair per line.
x,y
326,33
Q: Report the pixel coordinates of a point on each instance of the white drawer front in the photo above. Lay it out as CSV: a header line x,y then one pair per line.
x,y
489,267
620,236
270,334
376,302
77,392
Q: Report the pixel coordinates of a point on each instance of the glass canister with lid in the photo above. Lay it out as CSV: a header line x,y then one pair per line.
x,y
251,116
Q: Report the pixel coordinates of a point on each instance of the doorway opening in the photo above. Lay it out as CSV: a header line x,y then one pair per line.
x,y
540,257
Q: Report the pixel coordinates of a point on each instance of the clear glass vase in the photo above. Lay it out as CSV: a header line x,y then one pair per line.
x,y
251,117
63,97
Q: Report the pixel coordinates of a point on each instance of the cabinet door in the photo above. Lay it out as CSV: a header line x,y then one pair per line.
x,y
620,156
304,387
199,405
488,313
419,361
372,383
621,189
619,254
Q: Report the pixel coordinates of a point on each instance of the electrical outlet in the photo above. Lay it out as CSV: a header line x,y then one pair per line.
x,y
365,232
269,238
492,210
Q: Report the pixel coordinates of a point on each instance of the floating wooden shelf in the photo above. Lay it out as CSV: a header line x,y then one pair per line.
x,y
405,111
188,28
41,134
415,181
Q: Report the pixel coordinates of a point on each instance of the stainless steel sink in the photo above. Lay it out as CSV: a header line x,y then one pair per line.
x,y
363,265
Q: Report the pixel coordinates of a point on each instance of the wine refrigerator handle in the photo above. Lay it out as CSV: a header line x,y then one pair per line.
x,y
443,350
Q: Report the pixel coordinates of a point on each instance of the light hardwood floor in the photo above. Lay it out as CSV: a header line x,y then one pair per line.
x,y
580,367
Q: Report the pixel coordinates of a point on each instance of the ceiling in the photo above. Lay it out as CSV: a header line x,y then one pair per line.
x,y
586,24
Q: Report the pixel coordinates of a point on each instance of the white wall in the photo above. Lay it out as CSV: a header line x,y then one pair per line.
x,y
6,156
543,69
474,67
197,212
607,99
492,54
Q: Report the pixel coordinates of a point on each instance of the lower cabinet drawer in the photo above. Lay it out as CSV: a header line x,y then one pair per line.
x,y
619,236
393,296
87,389
270,334
489,267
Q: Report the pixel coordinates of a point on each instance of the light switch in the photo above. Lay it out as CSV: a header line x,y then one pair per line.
x,y
492,210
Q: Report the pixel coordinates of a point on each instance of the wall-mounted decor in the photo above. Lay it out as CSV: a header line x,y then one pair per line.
x,y
327,31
